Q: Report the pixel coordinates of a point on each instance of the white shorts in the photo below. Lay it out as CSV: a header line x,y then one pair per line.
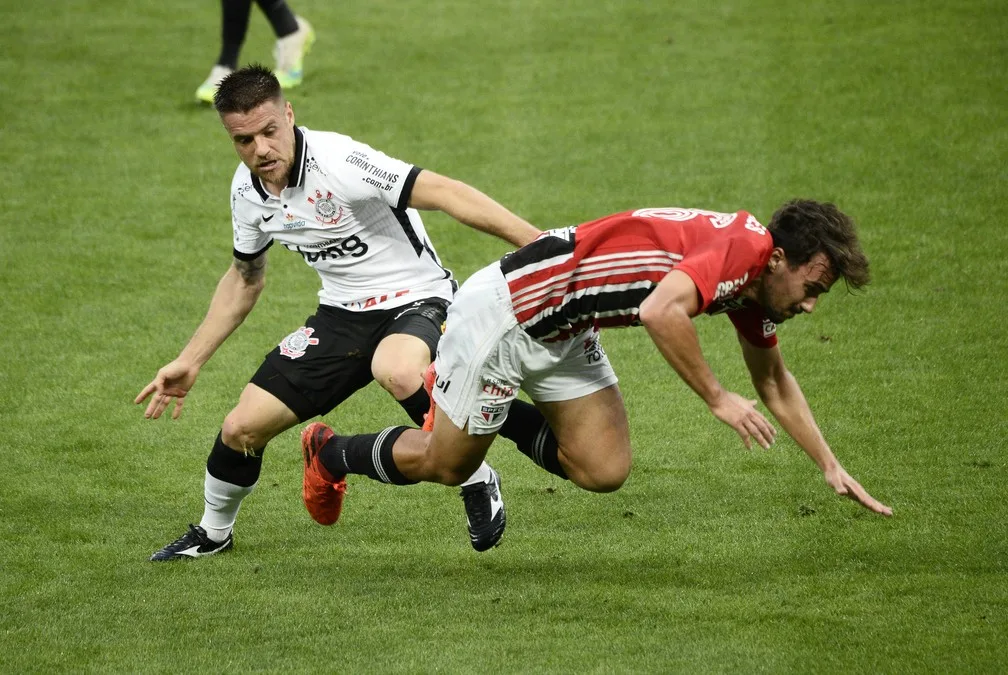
x,y
484,358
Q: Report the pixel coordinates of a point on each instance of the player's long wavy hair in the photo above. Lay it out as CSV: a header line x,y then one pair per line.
x,y
804,227
247,88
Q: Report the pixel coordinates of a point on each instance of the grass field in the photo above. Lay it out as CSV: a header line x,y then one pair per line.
x,y
711,558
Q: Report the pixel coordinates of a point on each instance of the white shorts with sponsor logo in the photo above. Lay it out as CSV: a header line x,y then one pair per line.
x,y
484,358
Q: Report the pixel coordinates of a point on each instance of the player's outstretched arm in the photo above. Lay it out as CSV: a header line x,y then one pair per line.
x,y
780,392
236,295
667,316
466,204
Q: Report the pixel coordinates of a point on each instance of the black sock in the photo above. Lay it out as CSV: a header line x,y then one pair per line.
x,y
367,454
280,16
527,427
416,405
232,466
234,25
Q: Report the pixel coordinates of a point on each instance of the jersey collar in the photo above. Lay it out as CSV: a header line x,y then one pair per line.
x,y
299,167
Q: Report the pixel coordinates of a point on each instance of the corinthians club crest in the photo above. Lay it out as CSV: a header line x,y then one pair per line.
x,y
295,344
325,211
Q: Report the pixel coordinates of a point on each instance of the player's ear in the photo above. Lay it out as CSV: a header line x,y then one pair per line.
x,y
777,258
289,112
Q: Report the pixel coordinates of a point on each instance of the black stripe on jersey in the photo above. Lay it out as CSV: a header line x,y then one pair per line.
x,y
407,188
407,226
252,256
537,251
297,174
418,246
257,184
579,313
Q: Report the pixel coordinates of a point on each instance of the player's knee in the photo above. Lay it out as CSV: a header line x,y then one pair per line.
x,y
399,379
608,480
604,476
240,433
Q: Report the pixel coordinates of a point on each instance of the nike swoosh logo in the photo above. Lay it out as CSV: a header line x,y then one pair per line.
x,y
192,552
413,306
268,218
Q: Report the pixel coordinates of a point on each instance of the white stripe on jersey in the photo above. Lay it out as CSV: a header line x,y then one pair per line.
x,y
590,290
539,265
590,268
589,264
561,289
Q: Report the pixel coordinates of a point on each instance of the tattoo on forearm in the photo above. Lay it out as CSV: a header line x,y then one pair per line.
x,y
251,270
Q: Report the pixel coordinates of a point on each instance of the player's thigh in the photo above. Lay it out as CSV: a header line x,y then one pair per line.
x,y
408,345
399,363
593,437
257,419
323,363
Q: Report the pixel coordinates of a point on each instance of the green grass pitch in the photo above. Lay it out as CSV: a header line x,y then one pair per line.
x,y
710,559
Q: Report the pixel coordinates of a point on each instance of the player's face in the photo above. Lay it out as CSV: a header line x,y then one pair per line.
x,y
788,291
264,139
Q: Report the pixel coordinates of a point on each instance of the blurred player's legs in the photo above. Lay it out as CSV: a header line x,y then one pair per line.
x,y
294,38
289,54
206,91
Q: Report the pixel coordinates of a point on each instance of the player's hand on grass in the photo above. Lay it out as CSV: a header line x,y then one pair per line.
x,y
844,485
171,383
741,415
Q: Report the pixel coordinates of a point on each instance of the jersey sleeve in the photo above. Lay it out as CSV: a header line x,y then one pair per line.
x,y
720,267
249,240
752,324
369,174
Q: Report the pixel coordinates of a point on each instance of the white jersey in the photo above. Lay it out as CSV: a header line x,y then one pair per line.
x,y
345,213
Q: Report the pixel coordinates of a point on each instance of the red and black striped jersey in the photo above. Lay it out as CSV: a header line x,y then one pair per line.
x,y
599,273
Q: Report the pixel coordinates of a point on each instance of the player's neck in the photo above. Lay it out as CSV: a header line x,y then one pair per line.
x,y
751,292
273,188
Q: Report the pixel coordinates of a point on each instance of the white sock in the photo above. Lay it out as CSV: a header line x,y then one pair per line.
x,y
482,475
221,503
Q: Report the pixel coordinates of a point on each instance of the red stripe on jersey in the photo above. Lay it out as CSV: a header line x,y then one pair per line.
x,y
601,271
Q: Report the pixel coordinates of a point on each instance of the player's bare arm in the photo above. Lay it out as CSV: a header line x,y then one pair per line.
x,y
667,315
466,204
780,392
236,295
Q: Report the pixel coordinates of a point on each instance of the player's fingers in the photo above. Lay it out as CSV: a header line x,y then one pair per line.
x,y
759,433
152,407
178,407
145,393
745,437
860,495
162,403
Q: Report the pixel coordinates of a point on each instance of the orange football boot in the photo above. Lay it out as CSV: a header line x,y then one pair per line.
x,y
322,492
428,384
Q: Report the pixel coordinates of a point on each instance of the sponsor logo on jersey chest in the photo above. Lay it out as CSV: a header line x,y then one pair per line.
x,y
730,288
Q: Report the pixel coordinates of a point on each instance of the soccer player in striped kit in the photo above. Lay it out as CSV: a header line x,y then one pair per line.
x,y
531,321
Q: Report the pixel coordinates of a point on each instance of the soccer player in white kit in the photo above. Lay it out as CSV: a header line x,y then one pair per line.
x,y
350,212
532,320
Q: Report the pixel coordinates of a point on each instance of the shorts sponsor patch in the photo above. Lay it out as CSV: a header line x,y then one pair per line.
x,y
496,388
294,345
